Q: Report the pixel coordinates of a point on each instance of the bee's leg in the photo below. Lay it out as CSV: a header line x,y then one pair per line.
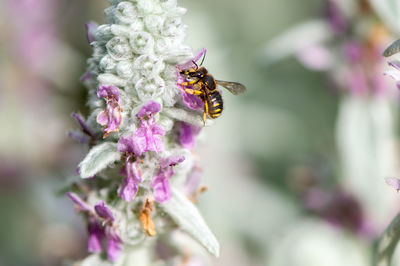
x,y
194,92
205,112
188,83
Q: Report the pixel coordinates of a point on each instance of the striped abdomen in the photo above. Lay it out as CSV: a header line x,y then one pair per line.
x,y
215,104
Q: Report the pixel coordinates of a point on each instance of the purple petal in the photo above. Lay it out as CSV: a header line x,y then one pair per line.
x,y
129,145
110,117
187,135
102,118
191,101
189,64
82,206
114,244
90,30
114,248
161,189
96,236
129,186
104,212
149,109
394,182
171,161
128,189
108,92
149,136
82,123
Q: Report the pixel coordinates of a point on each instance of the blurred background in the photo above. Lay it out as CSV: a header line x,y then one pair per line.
x,y
295,168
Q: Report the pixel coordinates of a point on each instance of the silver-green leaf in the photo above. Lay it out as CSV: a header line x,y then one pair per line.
x,y
98,158
388,242
185,214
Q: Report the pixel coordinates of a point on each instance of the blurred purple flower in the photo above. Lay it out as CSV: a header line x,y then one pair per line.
x,y
91,27
339,208
336,17
394,182
353,51
316,57
100,226
111,117
161,189
187,134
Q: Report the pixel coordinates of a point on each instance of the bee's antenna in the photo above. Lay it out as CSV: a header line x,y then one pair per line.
x,y
195,64
204,56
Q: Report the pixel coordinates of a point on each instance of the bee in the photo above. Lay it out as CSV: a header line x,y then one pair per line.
x,y
201,83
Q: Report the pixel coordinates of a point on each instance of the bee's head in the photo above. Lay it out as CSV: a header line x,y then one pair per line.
x,y
194,73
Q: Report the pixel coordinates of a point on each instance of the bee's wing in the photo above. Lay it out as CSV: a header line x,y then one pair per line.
x,y
234,87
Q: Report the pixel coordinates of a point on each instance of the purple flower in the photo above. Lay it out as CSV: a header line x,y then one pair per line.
x,y
161,189
129,145
111,117
148,137
191,101
394,182
90,30
395,72
98,230
129,187
108,92
149,109
104,212
187,135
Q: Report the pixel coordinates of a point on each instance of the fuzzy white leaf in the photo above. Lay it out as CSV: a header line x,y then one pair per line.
x,y
186,215
98,158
